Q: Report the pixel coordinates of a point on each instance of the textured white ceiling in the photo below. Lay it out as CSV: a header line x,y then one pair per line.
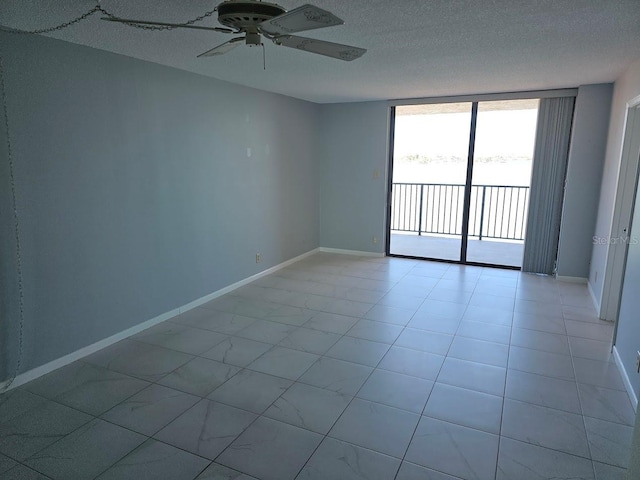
x,y
416,48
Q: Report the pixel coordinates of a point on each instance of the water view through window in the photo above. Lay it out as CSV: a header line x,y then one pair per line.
x,y
431,151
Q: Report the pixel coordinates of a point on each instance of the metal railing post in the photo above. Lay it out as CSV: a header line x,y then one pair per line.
x,y
484,193
420,210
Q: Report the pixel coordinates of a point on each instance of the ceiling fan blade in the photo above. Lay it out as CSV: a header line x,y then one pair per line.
x,y
329,49
223,48
306,17
162,24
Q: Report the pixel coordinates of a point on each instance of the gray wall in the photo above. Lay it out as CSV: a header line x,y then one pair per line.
x,y
626,88
136,193
584,175
354,143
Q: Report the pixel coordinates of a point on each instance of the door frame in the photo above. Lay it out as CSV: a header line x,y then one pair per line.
x,y
622,215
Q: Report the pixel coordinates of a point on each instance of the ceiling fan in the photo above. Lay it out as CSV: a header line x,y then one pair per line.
x,y
255,19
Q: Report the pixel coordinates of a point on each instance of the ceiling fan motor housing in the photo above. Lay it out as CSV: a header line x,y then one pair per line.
x,y
247,14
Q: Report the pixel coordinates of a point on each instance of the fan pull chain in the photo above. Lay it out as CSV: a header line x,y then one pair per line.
x,y
99,9
16,226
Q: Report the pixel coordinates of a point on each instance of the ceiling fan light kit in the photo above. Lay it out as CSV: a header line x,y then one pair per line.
x,y
256,19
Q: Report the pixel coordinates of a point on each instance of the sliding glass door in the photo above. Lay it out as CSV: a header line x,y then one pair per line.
x,y
431,147
503,155
460,179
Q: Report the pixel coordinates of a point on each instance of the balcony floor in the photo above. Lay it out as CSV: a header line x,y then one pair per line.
x,y
492,252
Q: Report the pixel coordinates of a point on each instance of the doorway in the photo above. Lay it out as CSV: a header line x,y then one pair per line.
x,y
460,177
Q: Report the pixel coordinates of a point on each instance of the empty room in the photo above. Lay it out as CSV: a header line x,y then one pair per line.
x,y
332,240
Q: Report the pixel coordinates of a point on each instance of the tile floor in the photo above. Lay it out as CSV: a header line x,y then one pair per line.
x,y
341,367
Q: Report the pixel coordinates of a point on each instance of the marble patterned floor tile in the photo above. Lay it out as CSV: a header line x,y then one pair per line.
x,y
455,450
289,315
375,331
450,295
540,323
497,302
266,332
601,374
336,460
485,331
546,427
199,376
336,305
418,281
393,315
473,350
308,407
284,362
86,452
16,402
476,313
206,429
151,409
377,427
544,305
396,390
435,324
237,351
246,307
545,391
465,286
606,404
609,472
153,460
610,442
22,472
6,463
595,331
524,461
412,362
473,376
215,471
336,375
465,407
547,342
180,338
271,450
37,428
358,350
252,391
214,320
400,300
141,360
440,309
592,349
424,341
85,387
411,471
541,363
310,341
331,322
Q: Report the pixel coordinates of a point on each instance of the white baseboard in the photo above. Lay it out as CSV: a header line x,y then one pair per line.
x,y
625,379
578,280
90,349
350,252
596,303
85,351
243,282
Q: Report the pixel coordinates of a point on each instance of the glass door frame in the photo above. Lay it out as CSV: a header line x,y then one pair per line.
x,y
462,259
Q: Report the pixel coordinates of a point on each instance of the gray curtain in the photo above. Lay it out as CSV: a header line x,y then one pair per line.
x,y
550,156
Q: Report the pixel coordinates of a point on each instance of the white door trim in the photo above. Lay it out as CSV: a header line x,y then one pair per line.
x,y
622,214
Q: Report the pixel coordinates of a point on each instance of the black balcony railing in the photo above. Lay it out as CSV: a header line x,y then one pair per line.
x,y
497,211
